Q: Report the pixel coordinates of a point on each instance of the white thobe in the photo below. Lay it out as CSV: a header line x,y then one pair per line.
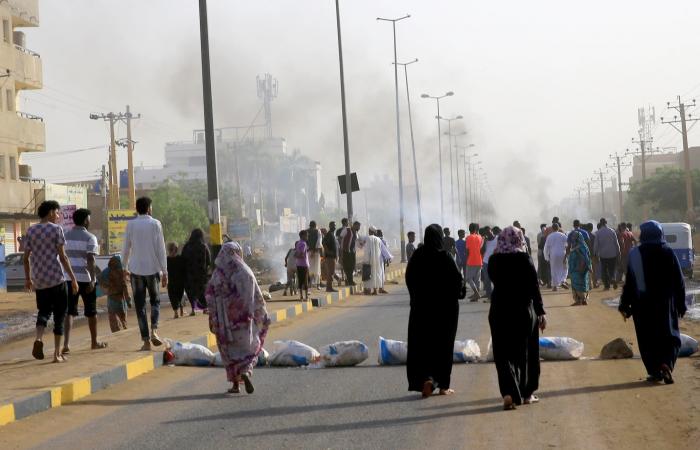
x,y
555,253
373,256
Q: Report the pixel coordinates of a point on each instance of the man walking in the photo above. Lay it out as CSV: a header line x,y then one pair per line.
x,y
145,261
410,246
81,249
474,260
487,250
555,254
44,251
461,252
315,249
627,242
607,248
448,243
349,241
542,264
330,252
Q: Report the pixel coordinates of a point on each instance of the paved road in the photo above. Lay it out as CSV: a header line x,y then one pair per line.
x,y
586,404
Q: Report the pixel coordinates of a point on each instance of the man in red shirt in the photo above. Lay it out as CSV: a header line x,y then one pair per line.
x,y
627,243
474,260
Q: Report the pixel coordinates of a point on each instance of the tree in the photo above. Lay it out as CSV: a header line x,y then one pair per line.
x,y
179,211
665,193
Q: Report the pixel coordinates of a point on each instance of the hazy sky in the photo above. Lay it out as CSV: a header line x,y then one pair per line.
x,y
548,89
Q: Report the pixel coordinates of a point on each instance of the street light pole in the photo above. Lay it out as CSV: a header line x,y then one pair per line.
x,y
346,146
452,185
398,138
413,147
437,101
212,178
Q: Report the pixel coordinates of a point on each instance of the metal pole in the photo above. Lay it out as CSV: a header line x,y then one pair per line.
x,y
130,148
114,189
212,181
413,147
467,205
346,146
442,199
686,162
459,186
619,186
452,182
602,193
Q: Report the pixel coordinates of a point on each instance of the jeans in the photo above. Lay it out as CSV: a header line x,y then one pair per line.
x,y
473,278
140,284
608,266
488,287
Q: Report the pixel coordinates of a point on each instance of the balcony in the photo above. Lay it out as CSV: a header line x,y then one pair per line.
x,y
25,131
25,66
25,13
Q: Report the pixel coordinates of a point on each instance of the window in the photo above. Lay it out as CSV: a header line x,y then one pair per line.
x,y
2,167
671,238
13,168
10,100
6,30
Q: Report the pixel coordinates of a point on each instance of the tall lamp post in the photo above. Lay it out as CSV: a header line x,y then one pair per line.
x,y
413,147
452,183
437,101
346,146
468,169
398,137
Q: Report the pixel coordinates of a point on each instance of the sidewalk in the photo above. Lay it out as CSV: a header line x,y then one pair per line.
x,y
30,386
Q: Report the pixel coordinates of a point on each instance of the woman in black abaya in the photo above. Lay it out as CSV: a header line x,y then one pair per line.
x,y
654,296
435,286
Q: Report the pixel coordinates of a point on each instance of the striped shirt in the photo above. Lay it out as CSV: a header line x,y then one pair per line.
x,y
79,244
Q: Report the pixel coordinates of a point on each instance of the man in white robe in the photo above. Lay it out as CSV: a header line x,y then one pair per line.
x,y
372,247
555,254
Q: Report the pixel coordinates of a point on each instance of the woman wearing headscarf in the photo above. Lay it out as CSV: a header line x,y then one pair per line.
x,y
580,266
515,316
654,296
237,315
435,286
197,260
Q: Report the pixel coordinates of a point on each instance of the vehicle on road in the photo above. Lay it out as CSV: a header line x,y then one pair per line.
x,y
680,238
14,268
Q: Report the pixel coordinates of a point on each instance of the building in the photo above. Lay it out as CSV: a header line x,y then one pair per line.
x,y
663,160
20,131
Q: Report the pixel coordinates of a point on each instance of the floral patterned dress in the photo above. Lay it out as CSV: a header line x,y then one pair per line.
x,y
237,314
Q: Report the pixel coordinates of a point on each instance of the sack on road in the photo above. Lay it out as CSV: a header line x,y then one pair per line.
x,y
343,354
466,351
187,354
293,354
489,351
392,353
616,349
560,348
262,359
688,346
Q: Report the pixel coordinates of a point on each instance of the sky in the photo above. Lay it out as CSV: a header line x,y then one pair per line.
x,y
548,89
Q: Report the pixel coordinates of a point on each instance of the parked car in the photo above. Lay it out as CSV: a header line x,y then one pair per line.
x,y
14,267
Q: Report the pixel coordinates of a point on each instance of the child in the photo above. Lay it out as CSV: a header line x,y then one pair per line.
x,y
301,255
176,279
114,283
291,265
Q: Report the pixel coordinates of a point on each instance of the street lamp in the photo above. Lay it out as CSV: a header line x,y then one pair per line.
x,y
437,101
398,137
413,147
468,175
346,146
449,133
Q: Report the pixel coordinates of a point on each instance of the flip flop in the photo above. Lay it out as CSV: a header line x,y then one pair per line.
x,y
234,390
100,345
249,388
38,350
65,351
531,399
666,374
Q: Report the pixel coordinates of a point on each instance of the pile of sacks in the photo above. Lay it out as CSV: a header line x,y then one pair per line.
x,y
393,353
552,349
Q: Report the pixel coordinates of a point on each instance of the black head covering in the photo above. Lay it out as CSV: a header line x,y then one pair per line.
x,y
197,235
433,237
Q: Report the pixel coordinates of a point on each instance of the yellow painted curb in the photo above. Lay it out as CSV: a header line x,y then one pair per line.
x,y
75,389
139,367
56,393
7,414
347,292
309,306
281,315
298,309
329,299
211,340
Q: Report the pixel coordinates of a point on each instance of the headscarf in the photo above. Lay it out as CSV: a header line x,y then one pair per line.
x,y
433,237
651,233
510,240
114,276
579,244
197,235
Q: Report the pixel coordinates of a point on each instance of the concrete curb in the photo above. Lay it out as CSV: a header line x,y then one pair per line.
x,y
74,389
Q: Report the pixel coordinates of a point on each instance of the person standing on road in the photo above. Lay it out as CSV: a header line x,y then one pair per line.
x,y
543,270
461,253
580,267
176,279
515,317
44,251
555,254
435,287
349,255
113,282
145,262
607,248
301,259
237,316
448,243
81,249
654,296
410,246
315,253
373,264
594,259
627,243
488,249
197,260
474,261
330,256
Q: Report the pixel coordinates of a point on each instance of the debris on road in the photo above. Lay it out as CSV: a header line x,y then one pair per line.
x,y
560,348
344,354
187,354
466,351
617,349
688,346
392,353
293,354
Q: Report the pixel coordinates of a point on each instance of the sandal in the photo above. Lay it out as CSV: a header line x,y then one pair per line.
x,y
65,351
235,389
59,359
508,404
531,399
428,388
98,346
249,388
38,350
666,374
446,391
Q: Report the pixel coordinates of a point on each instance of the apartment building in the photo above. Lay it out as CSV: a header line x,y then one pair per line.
x,y
20,131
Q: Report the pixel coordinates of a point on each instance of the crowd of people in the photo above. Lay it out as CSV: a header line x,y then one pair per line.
x,y
653,295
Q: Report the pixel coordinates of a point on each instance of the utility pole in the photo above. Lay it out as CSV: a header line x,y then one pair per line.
x,y
210,144
617,163
130,149
590,204
690,213
398,137
113,173
346,145
643,141
601,173
413,147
